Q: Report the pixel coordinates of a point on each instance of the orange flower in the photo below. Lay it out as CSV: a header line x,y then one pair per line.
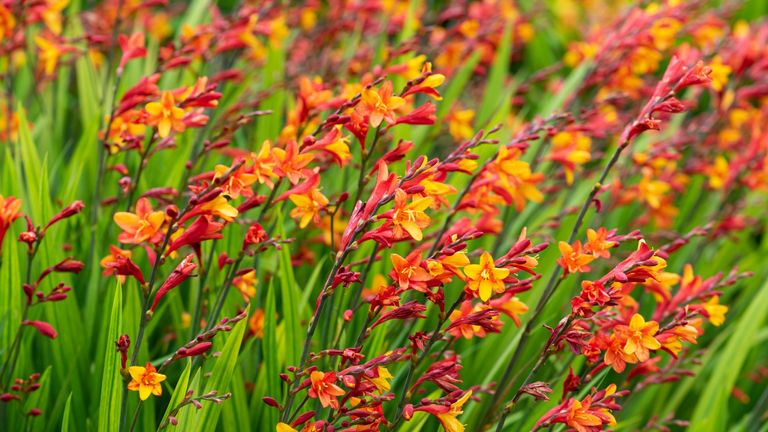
x,y
256,324
516,178
141,226
583,418
485,277
718,173
409,273
573,259
263,163
468,331
511,306
323,388
238,183
7,23
410,217
165,115
290,163
615,356
672,340
50,52
308,206
145,380
640,337
9,212
597,243
124,126
720,73
246,284
460,124
379,105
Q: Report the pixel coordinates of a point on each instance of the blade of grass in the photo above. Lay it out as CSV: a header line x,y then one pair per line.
x,y
111,381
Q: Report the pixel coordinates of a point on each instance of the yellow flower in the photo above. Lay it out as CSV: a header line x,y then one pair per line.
x,y
485,277
652,191
719,74
640,337
718,173
382,381
580,51
516,177
145,380
283,427
571,149
716,311
448,419
308,206
664,31
165,115
246,284
220,207
460,124
49,54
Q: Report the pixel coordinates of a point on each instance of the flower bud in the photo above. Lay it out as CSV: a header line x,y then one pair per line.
x,y
43,327
270,402
69,211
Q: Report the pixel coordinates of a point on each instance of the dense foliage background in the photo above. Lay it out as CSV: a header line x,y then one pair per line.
x,y
383,215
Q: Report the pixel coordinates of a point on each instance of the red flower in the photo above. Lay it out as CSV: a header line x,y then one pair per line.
x,y
254,235
119,263
133,47
201,229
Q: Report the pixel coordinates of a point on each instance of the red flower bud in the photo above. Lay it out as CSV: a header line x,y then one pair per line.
x,y
270,402
196,350
180,274
69,211
303,418
7,397
43,327
68,265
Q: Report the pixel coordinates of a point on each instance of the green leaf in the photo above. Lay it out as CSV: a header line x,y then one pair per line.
x,y
186,413
67,413
290,301
180,390
271,365
711,413
206,418
111,380
494,95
